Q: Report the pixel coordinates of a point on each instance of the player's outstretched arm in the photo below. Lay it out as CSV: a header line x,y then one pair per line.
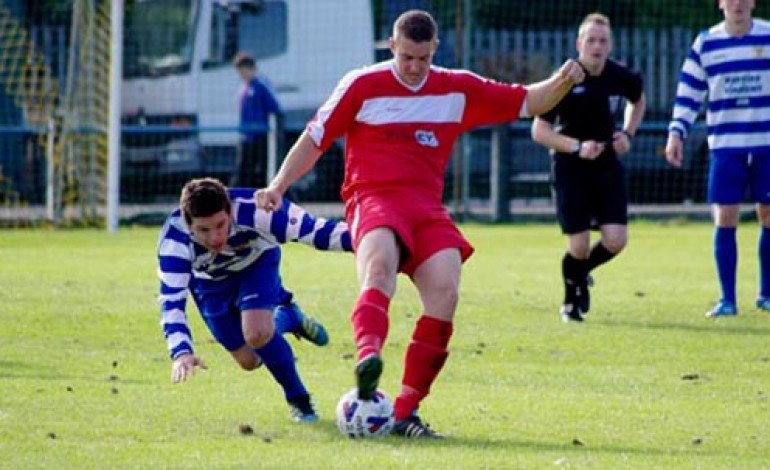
x,y
544,95
184,367
293,223
299,160
174,273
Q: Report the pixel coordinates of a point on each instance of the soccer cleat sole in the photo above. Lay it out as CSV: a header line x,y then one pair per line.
x,y
368,372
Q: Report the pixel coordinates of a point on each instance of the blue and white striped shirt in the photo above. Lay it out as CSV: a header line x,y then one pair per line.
x,y
252,232
735,73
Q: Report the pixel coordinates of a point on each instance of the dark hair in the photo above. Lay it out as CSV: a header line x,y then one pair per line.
x,y
416,25
202,198
244,60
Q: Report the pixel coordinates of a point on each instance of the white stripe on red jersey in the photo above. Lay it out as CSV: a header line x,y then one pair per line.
x,y
394,110
400,137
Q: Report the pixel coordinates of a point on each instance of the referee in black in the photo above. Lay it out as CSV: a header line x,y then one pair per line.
x,y
588,178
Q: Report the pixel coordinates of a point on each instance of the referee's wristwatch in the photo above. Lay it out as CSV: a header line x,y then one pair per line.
x,y
576,148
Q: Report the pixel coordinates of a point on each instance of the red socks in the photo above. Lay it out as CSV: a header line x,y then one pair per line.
x,y
370,322
425,357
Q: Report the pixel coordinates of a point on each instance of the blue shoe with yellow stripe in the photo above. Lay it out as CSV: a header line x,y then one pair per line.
x,y
307,327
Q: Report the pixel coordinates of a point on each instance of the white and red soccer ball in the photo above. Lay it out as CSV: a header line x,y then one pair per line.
x,y
358,418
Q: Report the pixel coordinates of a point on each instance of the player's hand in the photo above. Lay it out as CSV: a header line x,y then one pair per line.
x,y
184,366
590,149
620,143
573,71
674,150
268,199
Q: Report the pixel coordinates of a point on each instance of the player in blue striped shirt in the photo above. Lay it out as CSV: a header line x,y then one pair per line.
x,y
224,251
730,62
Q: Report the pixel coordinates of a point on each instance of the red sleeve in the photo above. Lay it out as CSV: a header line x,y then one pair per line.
x,y
337,114
489,101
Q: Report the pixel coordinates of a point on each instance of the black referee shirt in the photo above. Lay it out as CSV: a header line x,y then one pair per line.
x,y
589,111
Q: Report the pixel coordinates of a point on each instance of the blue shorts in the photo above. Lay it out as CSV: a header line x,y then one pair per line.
x,y
730,175
221,302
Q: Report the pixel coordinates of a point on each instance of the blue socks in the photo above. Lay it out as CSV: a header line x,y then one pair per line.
x,y
726,255
279,360
764,262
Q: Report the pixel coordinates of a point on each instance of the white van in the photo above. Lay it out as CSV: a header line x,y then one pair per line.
x,y
180,93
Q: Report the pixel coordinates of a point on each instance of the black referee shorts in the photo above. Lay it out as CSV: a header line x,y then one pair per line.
x,y
589,192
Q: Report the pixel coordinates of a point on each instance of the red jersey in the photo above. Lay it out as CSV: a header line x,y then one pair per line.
x,y
397,136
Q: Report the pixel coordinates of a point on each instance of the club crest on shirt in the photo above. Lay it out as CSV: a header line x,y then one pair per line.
x,y
759,51
426,138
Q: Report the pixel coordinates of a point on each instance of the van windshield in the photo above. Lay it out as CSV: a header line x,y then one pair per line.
x,y
158,37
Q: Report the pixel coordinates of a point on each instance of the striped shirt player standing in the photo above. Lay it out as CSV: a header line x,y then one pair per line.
x,y
225,251
730,63
400,120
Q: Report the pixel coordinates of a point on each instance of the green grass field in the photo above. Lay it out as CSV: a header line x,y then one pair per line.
x,y
646,382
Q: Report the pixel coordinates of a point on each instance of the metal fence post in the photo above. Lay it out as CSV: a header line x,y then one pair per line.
x,y
50,164
499,172
272,148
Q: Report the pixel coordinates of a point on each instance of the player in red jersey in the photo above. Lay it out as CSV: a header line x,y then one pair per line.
x,y
400,119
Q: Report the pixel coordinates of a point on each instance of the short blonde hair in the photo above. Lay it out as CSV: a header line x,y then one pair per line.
x,y
592,19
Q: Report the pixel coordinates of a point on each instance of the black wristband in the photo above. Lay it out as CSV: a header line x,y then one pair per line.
x,y
628,134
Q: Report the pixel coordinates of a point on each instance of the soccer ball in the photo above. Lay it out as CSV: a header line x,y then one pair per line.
x,y
358,418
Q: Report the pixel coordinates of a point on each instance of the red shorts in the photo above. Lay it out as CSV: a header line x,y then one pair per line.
x,y
423,227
